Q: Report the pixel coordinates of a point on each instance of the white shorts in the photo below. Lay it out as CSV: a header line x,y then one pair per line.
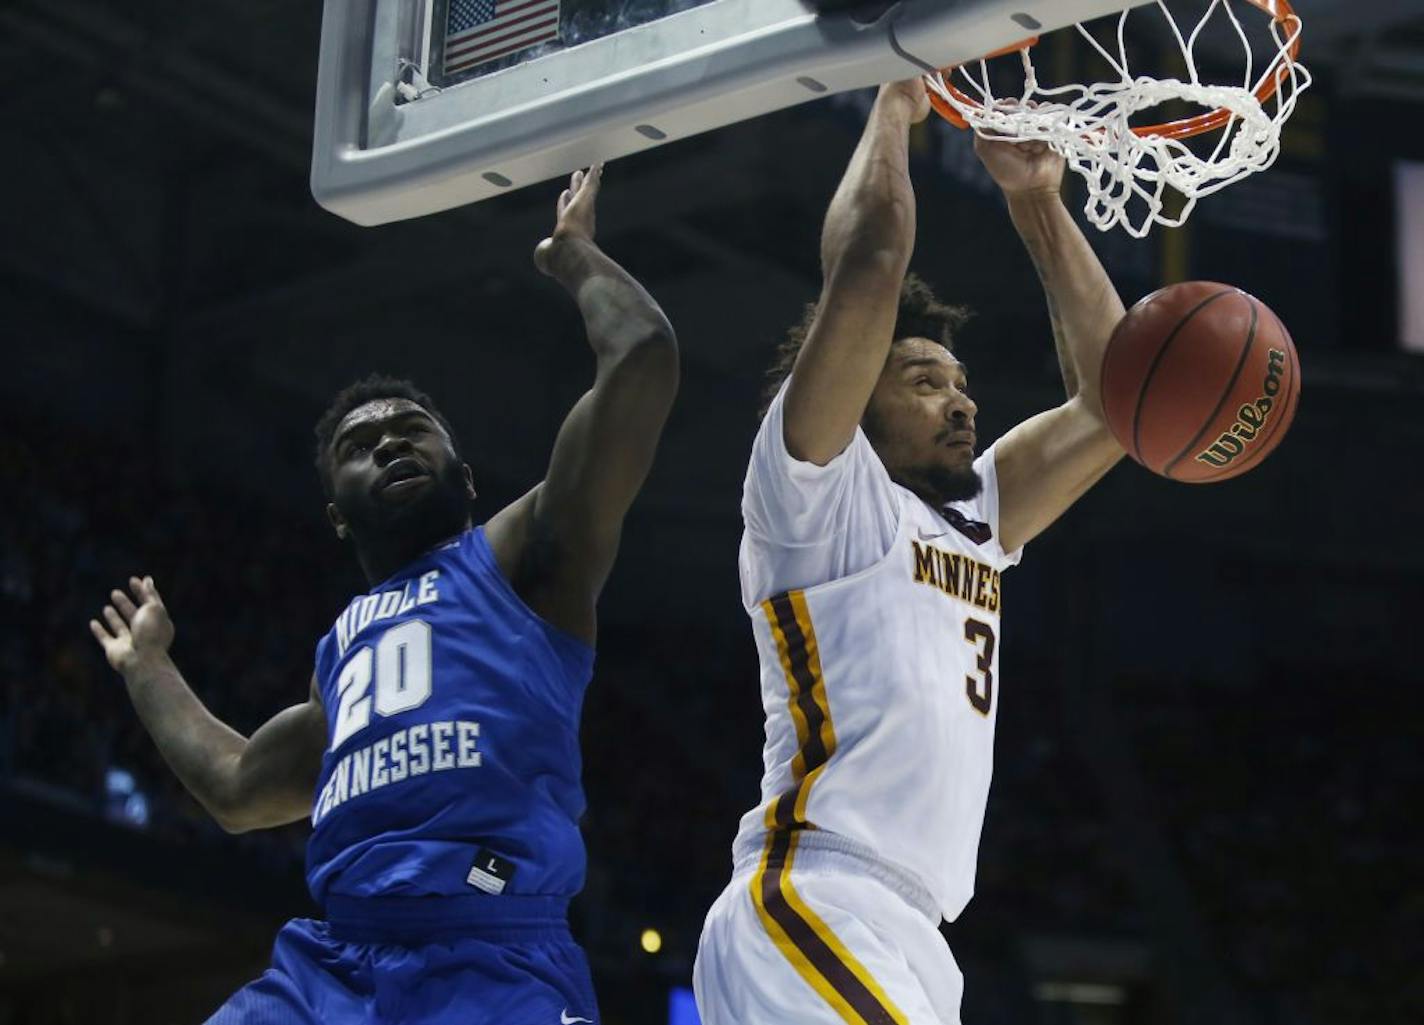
x,y
813,933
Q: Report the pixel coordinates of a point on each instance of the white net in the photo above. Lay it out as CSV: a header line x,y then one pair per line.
x,y
1136,176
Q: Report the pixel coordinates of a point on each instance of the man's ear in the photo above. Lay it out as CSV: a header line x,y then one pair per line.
x,y
338,522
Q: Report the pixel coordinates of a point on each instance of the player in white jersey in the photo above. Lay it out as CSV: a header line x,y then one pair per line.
x,y
874,539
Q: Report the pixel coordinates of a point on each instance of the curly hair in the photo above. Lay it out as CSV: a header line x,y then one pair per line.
x,y
368,389
921,315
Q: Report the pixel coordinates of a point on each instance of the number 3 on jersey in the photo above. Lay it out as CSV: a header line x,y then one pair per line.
x,y
401,663
981,697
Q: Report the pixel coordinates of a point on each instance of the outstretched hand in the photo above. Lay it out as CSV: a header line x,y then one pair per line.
x,y
1021,167
138,627
575,216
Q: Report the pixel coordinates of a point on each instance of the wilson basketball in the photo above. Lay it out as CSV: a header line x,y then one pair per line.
x,y
1200,382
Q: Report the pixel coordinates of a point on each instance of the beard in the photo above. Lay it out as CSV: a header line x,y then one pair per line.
x,y
441,510
934,482
960,484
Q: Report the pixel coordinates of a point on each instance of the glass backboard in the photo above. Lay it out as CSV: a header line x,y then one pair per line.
x,y
473,38
424,105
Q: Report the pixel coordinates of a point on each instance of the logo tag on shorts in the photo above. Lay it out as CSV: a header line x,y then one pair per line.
x,y
490,872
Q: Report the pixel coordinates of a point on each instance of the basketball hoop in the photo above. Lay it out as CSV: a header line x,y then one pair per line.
x,y
1090,125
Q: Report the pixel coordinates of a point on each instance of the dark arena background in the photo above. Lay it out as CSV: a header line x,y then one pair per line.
x,y
1209,746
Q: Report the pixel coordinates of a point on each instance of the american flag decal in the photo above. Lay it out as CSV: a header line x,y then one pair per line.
x,y
482,30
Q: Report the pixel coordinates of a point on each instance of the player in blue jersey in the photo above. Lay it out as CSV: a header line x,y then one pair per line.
x,y
437,755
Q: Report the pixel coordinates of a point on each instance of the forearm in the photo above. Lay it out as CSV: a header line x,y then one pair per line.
x,y
871,219
618,313
201,750
866,245
1083,305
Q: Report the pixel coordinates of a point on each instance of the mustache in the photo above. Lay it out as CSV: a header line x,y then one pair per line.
x,y
404,468
950,434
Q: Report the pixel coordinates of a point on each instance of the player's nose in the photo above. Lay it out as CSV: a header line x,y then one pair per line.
x,y
391,446
960,407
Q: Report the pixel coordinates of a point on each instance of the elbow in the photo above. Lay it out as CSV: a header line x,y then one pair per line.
x,y
1089,401
659,339
651,361
230,817
235,821
1090,408
228,809
229,824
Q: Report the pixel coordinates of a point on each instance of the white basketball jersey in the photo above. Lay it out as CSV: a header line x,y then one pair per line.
x,y
876,619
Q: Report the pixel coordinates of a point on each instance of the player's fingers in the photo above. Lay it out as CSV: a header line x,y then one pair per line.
x,y
151,590
592,180
123,603
100,634
116,622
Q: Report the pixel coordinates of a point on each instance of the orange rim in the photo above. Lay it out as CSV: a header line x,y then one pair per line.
x,y
1281,13
945,109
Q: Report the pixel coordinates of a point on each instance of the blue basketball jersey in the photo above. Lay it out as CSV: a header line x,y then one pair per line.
x,y
452,762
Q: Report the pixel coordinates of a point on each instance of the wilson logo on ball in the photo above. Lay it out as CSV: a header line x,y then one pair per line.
x,y
1250,418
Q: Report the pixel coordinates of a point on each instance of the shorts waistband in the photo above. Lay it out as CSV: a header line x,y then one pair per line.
x,y
471,916
816,848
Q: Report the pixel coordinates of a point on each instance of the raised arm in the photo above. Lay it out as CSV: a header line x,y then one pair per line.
x,y
1045,463
866,245
557,543
244,783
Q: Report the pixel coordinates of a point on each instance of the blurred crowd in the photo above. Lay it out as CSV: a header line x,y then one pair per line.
x,y
672,734
672,738
248,595
250,590
1288,802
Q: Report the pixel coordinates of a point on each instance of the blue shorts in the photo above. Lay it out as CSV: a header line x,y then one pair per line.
x,y
467,960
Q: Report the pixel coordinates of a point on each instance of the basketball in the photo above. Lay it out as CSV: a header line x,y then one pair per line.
x,y
1200,382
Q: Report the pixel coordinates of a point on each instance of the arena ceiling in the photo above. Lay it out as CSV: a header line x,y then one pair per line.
x,y
215,100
